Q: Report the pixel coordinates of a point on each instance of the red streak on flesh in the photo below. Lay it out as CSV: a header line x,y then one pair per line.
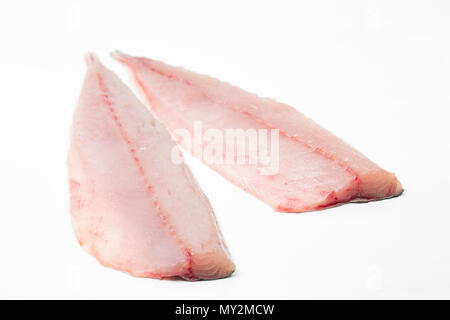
x,y
190,273
167,75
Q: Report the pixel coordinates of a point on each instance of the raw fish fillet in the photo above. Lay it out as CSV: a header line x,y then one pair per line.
x,y
316,168
131,207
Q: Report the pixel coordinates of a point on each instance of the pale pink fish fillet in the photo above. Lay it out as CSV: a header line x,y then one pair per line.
x,y
317,169
132,208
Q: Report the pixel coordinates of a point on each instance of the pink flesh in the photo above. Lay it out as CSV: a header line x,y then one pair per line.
x,y
317,169
132,208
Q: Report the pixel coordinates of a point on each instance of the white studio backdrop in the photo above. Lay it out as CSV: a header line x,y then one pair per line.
x,y
376,73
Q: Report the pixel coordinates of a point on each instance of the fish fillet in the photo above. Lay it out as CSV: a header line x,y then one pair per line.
x,y
316,168
132,208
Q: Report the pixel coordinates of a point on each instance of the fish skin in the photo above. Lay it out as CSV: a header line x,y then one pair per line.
x,y
132,208
317,169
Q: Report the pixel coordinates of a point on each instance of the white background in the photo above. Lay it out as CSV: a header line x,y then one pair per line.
x,y
376,73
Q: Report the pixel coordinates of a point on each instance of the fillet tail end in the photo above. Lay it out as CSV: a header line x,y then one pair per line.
x,y
91,59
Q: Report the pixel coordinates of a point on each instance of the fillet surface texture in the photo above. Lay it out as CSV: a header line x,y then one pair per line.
x,y
132,208
316,168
